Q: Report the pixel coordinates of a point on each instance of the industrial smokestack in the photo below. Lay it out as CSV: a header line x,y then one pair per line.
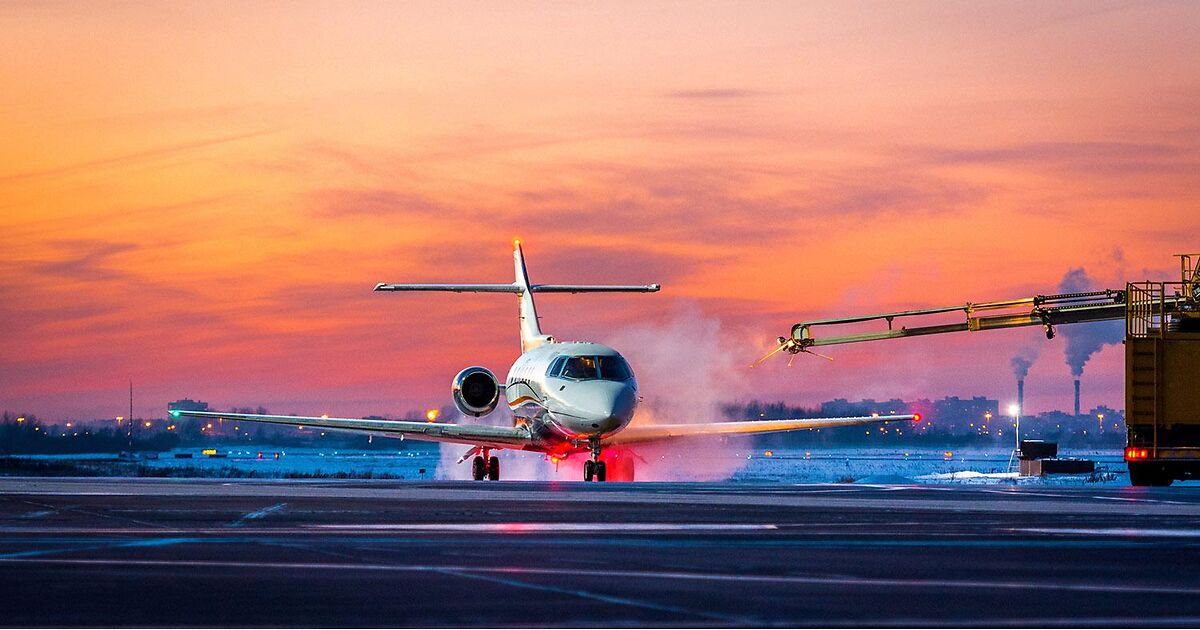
x,y
1077,397
1020,397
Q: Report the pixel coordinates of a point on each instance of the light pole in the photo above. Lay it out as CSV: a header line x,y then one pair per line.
x,y
1014,410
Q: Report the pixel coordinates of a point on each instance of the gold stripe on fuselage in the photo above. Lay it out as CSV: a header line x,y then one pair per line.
x,y
522,399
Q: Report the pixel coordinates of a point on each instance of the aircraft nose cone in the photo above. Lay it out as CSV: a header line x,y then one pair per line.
x,y
608,407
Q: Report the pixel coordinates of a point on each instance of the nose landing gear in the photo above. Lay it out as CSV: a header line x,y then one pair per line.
x,y
485,465
594,471
594,468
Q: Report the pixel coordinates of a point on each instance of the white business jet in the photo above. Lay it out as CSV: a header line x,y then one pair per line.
x,y
566,397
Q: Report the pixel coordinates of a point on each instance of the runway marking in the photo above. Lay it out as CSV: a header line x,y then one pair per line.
x,y
1139,500
600,597
257,514
38,514
149,542
534,528
1035,585
1008,622
1113,531
967,499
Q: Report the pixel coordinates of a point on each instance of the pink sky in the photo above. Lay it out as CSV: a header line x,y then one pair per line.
x,y
200,196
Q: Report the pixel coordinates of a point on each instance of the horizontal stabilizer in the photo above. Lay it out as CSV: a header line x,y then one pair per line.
x,y
513,288
456,288
595,288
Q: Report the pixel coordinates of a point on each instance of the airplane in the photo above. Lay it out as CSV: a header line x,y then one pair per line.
x,y
566,397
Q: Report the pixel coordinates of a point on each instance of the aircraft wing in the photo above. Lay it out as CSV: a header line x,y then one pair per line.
x,y
655,433
473,434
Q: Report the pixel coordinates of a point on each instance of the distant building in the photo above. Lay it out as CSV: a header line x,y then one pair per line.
x,y
187,404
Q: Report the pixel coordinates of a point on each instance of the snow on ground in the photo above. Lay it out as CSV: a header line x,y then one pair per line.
x,y
923,465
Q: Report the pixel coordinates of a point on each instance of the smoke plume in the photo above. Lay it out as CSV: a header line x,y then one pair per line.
x,y
1023,361
1084,340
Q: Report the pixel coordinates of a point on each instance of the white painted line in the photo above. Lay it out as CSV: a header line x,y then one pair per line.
x,y
845,581
532,528
1122,532
257,514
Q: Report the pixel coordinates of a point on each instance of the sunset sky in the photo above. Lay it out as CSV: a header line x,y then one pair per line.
x,y
200,196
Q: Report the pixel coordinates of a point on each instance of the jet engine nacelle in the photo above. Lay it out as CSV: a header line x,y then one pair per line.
x,y
476,391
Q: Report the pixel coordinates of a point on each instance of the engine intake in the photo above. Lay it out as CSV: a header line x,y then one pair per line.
x,y
475,391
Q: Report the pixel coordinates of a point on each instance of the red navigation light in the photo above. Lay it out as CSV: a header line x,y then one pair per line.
x,y
1133,453
916,417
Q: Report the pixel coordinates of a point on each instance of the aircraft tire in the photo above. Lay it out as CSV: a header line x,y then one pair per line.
x,y
493,468
478,468
589,470
601,471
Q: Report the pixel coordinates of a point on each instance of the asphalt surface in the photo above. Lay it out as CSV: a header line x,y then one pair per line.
x,y
140,552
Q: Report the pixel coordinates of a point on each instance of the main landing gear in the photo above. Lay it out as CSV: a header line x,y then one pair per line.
x,y
485,465
594,469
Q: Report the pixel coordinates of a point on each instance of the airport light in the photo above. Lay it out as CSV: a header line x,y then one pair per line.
x,y
21,420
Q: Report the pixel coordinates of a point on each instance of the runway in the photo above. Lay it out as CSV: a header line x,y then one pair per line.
x,y
150,552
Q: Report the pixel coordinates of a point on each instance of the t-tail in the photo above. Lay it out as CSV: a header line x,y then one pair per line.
x,y
531,331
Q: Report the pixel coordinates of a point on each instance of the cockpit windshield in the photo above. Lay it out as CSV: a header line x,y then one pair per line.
x,y
588,368
579,368
614,369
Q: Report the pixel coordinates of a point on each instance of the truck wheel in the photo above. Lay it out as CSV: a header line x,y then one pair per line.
x,y
1148,475
1140,475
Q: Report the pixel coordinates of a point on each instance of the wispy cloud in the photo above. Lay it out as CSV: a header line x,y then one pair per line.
x,y
713,94
135,157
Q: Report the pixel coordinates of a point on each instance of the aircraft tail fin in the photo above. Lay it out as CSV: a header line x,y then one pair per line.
x,y
531,331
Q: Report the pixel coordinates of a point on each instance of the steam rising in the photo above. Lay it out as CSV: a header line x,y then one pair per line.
x,y
685,368
1084,340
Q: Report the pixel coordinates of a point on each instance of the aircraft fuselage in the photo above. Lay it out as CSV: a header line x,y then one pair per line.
x,y
572,392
